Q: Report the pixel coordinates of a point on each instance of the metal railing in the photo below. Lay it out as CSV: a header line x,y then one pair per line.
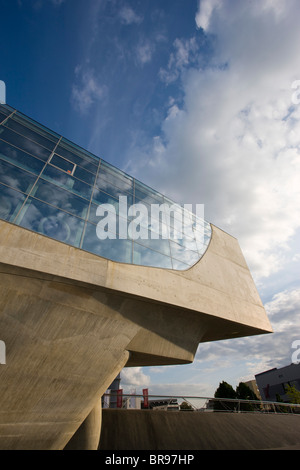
x,y
195,403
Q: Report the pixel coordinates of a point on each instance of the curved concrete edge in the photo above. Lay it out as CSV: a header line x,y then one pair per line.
x,y
71,321
186,430
87,436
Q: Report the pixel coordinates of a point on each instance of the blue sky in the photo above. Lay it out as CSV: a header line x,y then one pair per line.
x,y
196,99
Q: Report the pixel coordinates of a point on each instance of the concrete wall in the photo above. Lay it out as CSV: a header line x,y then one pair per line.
x,y
71,321
185,430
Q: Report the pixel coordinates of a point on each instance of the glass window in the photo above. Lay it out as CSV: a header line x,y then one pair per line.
x,y
84,175
109,177
15,177
146,257
179,265
2,117
30,133
186,242
101,197
49,221
67,152
145,196
151,241
113,249
181,253
10,203
60,198
62,164
66,181
20,158
5,110
109,219
24,144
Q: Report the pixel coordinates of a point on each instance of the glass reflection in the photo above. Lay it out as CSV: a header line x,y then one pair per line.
x,y
23,143
15,177
20,158
49,221
60,198
68,152
180,253
10,203
115,250
66,181
84,175
109,178
146,257
30,134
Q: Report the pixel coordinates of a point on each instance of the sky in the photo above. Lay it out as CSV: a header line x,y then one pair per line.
x,y
199,99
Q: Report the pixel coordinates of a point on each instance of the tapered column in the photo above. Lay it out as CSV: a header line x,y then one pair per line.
x,y
87,436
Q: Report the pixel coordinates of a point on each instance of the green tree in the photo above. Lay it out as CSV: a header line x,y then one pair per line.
x,y
293,394
224,390
185,406
243,392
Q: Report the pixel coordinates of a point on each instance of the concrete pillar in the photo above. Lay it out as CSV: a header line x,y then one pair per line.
x,y
87,436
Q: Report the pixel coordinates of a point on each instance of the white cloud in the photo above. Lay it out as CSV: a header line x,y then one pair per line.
x,y
128,16
87,90
133,377
184,54
234,144
144,52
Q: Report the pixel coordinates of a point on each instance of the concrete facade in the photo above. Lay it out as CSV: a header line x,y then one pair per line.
x,y
72,320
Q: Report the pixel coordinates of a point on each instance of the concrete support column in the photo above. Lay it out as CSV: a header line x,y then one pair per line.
x,y
87,436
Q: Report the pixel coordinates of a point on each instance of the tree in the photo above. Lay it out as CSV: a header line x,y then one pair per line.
x,y
244,392
224,390
185,406
292,393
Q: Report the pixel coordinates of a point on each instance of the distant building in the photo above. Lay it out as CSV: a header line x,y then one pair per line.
x,y
253,386
272,383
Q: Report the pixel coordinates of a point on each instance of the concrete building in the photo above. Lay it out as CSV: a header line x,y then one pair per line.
x,y
272,383
253,386
78,304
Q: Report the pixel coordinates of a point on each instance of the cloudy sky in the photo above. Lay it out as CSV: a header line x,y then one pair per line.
x,y
201,101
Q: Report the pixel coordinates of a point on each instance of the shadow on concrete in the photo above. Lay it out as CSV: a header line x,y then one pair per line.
x,y
183,430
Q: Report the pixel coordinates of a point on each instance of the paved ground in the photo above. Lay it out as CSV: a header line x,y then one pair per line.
x,y
179,430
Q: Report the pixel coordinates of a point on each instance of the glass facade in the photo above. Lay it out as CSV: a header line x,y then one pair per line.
x,y
51,186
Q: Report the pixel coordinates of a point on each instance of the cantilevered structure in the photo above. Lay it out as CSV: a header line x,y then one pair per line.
x,y
75,309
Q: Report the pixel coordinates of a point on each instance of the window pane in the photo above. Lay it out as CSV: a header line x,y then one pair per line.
x,y
20,158
160,245
30,134
5,111
109,177
60,198
85,162
24,144
146,197
146,257
2,117
84,175
62,164
67,181
179,265
115,250
15,177
100,197
182,254
10,203
49,221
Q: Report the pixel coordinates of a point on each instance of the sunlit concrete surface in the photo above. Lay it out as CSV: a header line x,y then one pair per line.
x,y
72,320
